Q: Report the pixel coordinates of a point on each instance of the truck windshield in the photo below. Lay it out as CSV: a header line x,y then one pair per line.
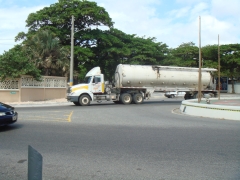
x,y
87,79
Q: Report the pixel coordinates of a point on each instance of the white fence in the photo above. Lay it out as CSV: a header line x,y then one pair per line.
x,y
27,88
28,81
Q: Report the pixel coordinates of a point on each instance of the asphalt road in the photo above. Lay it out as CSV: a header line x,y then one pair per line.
x,y
110,141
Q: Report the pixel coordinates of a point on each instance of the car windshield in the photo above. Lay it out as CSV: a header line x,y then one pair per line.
x,y
87,79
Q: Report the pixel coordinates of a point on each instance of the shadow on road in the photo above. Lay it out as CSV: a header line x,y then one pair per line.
x,y
10,127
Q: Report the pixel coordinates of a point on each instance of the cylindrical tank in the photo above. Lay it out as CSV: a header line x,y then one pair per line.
x,y
161,76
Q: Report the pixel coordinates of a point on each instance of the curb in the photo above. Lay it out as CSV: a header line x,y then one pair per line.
x,y
191,107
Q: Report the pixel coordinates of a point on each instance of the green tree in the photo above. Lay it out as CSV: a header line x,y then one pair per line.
x,y
210,56
15,63
111,49
187,55
146,51
57,19
92,46
230,61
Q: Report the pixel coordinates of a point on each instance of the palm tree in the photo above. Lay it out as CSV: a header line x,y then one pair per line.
x,y
47,54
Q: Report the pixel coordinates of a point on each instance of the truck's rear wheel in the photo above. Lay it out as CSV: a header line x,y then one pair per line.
x,y
84,100
137,98
126,98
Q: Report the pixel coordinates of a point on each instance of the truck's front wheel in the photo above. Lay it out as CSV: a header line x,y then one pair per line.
x,y
84,100
126,98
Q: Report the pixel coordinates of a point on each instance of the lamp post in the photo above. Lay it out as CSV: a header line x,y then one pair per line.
x,y
218,69
200,64
71,61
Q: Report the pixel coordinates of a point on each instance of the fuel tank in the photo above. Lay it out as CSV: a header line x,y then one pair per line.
x,y
168,77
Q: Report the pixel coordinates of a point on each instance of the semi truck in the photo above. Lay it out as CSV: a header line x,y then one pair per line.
x,y
136,83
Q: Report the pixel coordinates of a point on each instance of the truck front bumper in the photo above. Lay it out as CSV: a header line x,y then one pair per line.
x,y
72,98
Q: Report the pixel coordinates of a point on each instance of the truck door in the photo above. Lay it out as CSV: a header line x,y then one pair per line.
x,y
97,85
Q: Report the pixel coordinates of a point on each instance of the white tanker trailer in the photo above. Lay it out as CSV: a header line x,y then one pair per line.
x,y
134,83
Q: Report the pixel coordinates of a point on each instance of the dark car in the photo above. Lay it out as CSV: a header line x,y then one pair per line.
x,y
7,114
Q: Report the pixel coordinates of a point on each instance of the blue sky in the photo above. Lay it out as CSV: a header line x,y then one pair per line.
x,y
171,21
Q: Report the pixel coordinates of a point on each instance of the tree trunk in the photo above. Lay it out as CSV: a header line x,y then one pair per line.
x,y
233,90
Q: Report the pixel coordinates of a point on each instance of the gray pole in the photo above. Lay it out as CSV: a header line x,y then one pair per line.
x,y
200,64
72,46
218,69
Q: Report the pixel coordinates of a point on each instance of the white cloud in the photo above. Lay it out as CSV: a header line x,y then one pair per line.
x,y
189,2
223,8
199,10
180,13
212,27
181,23
133,17
12,22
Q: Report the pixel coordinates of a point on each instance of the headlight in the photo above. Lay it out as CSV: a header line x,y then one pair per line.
x,y
2,113
69,90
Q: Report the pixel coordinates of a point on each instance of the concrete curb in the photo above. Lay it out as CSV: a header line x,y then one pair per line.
x,y
192,107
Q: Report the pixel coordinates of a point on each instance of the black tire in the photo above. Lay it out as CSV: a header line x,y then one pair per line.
x,y
137,98
76,103
84,100
126,98
172,96
187,96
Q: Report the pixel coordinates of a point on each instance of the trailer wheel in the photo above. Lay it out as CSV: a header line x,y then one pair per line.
x,y
126,98
137,98
84,100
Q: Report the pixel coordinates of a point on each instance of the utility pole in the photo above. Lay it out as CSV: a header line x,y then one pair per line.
x,y
218,69
71,61
200,64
